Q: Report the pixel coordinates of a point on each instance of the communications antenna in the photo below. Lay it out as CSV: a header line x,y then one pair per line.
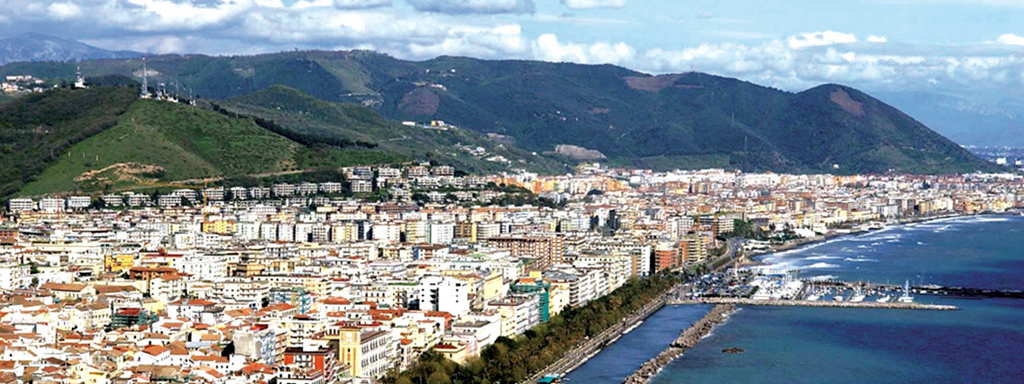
x,y
145,80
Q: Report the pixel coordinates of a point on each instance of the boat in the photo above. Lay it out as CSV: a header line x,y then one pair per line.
x,y
858,296
813,297
838,298
884,299
906,297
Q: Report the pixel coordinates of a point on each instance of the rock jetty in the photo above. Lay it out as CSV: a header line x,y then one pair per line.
x,y
686,340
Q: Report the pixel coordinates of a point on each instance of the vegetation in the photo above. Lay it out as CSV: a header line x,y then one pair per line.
x,y
689,120
160,144
748,230
512,360
36,129
304,118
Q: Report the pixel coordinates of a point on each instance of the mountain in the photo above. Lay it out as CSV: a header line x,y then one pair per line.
x,y
107,139
686,120
967,119
318,121
36,129
40,47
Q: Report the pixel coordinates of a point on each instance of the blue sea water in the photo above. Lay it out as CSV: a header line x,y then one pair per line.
x,y
619,360
983,342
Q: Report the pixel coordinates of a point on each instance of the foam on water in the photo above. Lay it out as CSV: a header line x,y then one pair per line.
x,y
822,278
822,257
860,260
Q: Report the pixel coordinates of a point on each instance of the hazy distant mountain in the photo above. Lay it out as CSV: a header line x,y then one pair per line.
x,y
40,47
686,120
968,120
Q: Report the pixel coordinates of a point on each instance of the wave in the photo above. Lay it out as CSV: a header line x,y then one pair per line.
x,y
822,257
819,266
822,278
860,260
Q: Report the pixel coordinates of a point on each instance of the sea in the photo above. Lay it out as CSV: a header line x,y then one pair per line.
x,y
983,342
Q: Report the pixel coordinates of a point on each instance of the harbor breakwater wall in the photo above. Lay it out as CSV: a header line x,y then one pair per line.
x,y
686,340
579,355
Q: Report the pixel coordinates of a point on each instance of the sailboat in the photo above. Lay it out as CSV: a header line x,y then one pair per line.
x,y
857,296
906,297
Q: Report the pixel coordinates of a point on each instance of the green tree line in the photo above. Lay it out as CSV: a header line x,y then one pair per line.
x,y
512,360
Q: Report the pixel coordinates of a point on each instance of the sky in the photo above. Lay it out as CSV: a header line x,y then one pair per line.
x,y
882,45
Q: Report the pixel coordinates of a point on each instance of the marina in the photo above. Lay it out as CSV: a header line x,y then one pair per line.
x,y
820,304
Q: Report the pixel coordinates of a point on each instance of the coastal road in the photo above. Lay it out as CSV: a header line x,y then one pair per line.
x,y
579,354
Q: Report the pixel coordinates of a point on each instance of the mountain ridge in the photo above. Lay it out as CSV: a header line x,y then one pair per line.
x,y
685,120
32,46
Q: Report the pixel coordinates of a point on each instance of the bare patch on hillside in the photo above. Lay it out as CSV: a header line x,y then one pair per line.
x,y
578,153
657,83
121,172
651,83
843,100
420,102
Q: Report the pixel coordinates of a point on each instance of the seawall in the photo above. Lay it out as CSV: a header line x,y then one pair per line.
x,y
686,340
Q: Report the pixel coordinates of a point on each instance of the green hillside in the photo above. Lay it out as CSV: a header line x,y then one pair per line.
x,y
36,129
156,143
308,119
683,120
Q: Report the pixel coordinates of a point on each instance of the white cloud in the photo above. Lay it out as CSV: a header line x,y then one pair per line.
x,y
781,63
587,4
473,6
63,11
818,39
877,39
361,4
547,47
1011,39
473,41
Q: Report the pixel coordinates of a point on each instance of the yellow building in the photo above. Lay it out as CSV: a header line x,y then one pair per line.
x,y
362,353
466,230
118,263
220,227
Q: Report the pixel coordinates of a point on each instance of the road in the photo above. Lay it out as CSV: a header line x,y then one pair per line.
x,y
579,354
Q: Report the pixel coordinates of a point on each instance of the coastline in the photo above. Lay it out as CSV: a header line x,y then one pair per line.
x,y
645,373
752,258
686,340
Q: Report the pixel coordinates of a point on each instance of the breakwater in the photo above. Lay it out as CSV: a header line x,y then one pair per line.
x,y
686,340
581,353
821,304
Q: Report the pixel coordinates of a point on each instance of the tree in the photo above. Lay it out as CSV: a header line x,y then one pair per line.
x,y
438,377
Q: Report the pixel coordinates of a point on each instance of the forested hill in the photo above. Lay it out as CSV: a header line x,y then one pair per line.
x,y
105,139
684,120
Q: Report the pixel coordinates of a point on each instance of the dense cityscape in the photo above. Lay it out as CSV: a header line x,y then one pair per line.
x,y
354,280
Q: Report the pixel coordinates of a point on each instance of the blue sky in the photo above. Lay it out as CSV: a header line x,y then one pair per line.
x,y
791,44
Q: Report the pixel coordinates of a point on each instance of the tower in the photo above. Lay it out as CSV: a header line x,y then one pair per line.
x,y
79,80
144,93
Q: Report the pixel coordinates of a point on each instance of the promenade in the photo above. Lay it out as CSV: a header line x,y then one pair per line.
x,y
582,352
820,304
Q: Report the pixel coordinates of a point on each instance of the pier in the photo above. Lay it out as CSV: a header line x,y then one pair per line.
x,y
820,304
933,290
686,340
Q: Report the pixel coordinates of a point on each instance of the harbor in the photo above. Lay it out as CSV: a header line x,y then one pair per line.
x,y
818,304
734,285
686,340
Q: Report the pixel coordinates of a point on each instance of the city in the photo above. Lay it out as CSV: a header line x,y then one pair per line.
x,y
511,191
301,284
